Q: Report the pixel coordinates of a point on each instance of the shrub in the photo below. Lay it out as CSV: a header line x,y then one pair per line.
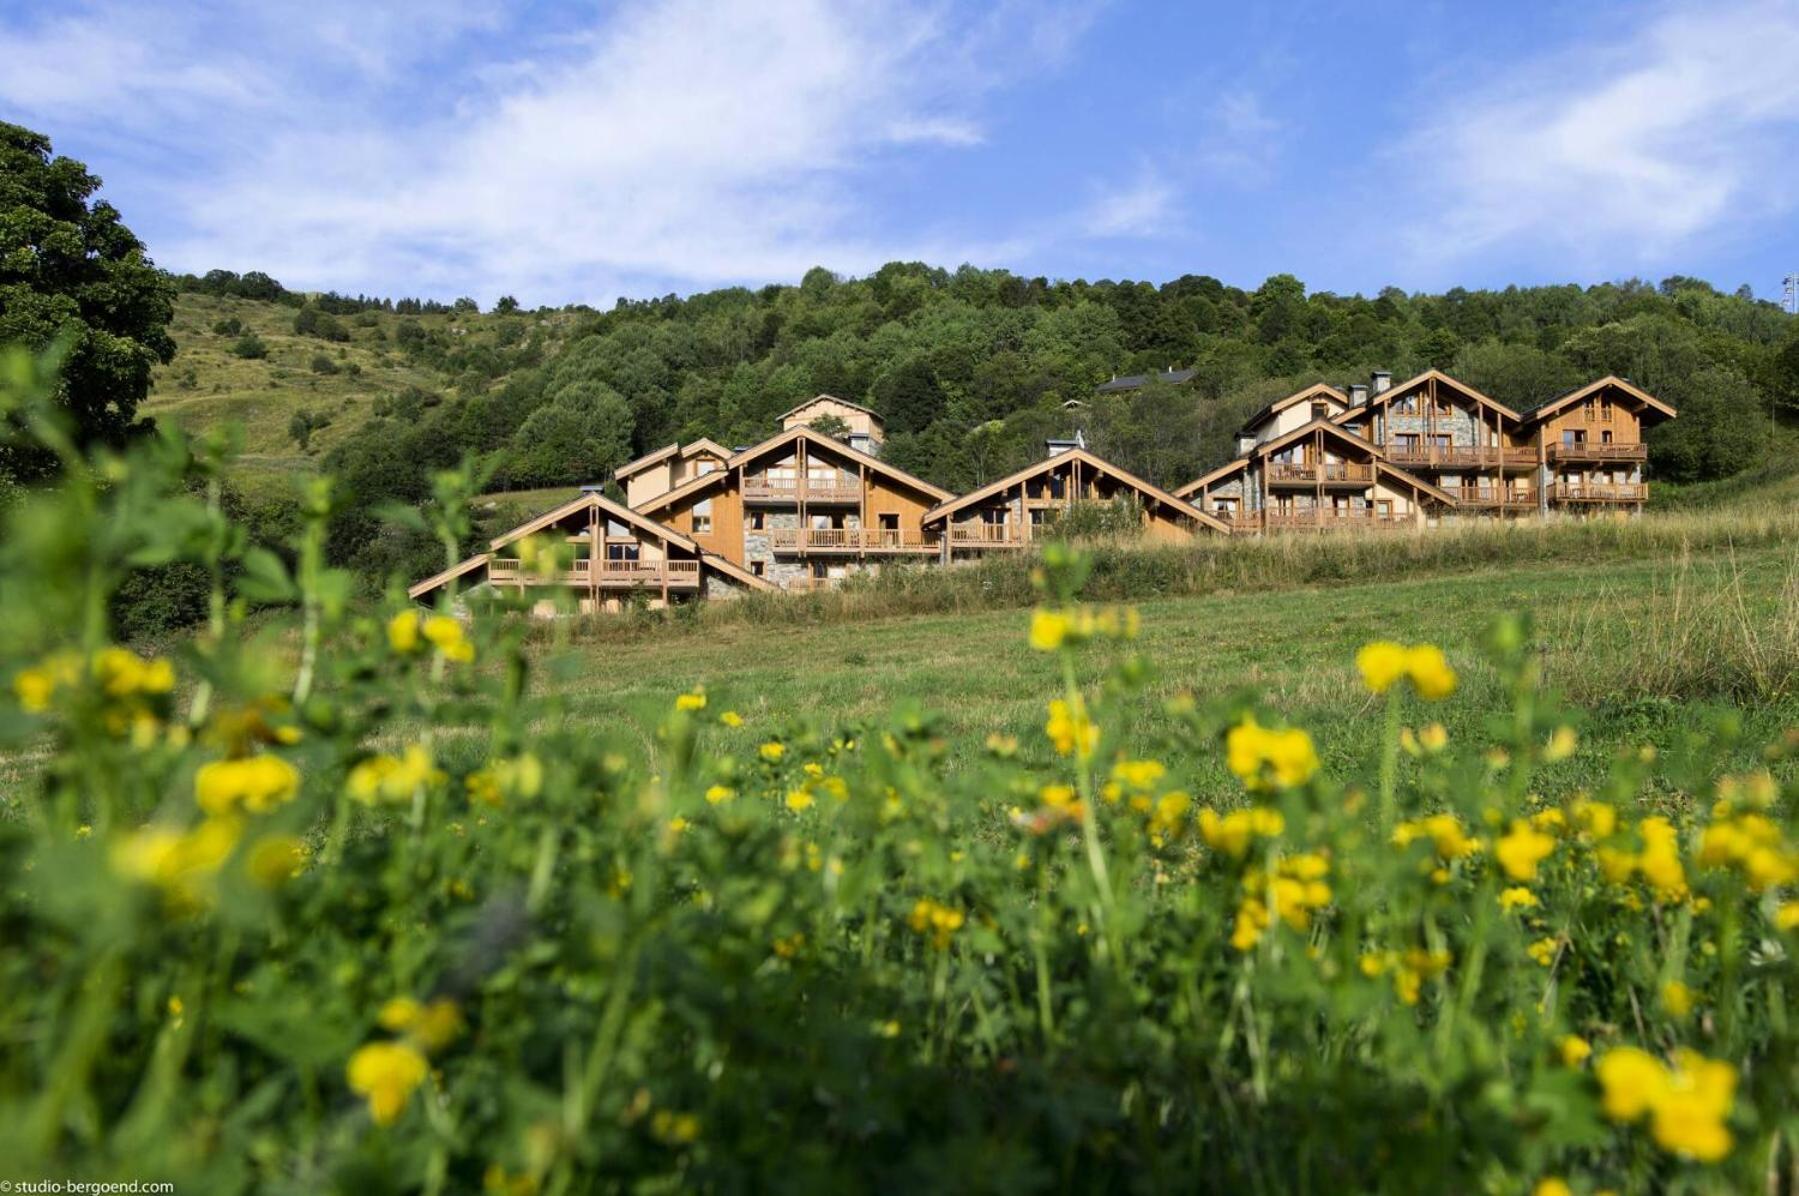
x,y
323,363
229,326
250,347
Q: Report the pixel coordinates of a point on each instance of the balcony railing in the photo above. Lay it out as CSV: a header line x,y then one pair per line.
x,y
1465,456
994,535
1588,451
1600,491
1314,472
818,487
610,574
1492,496
1323,518
849,539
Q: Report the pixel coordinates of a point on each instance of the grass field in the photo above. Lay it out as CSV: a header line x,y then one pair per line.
x,y
1651,647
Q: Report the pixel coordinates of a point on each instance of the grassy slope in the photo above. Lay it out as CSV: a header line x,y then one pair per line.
x,y
1607,629
263,395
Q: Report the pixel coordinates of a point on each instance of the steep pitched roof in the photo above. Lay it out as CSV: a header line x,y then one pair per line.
x,y
1316,425
1318,390
1412,479
1433,375
606,506
1137,381
1544,410
945,509
444,578
702,445
815,399
830,444
1206,479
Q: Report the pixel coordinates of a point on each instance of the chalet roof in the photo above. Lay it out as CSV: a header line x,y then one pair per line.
x,y
829,443
1410,384
1318,390
1206,479
606,506
1137,381
703,444
1316,425
445,577
1543,410
1412,479
791,411
945,509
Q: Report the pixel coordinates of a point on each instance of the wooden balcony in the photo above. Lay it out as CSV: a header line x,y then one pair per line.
x,y
611,575
1460,456
1589,451
849,539
1494,498
818,488
989,535
1315,473
1599,492
1329,518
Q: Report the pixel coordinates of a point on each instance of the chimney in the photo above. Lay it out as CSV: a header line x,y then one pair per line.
x,y
1382,381
1358,394
1245,445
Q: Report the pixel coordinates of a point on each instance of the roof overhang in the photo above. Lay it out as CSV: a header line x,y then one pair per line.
x,y
945,510
1610,380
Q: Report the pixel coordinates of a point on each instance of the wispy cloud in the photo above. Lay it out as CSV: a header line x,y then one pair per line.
x,y
674,142
1241,140
1143,207
1614,153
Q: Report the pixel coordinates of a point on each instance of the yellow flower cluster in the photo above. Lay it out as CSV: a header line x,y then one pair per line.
x,y
385,1074
1052,629
1427,741
1658,863
1234,833
1521,849
432,1025
1751,844
1267,759
180,863
1687,1104
935,922
518,778
1071,732
692,700
129,684
384,778
1448,838
1383,664
1294,889
256,784
406,630
1410,969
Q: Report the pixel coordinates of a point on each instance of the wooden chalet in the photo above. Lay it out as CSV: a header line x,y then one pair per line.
x,y
863,429
1022,509
1590,446
600,553
1451,435
803,510
670,466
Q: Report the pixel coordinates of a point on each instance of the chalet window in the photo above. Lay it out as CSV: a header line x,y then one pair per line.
x,y
1321,411
758,520
1408,405
757,568
1605,436
889,523
1573,436
702,517
622,552
1605,410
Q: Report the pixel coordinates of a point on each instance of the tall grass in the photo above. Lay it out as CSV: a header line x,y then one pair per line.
x,y
1124,571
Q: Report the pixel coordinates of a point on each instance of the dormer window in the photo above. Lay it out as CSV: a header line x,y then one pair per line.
x,y
1321,411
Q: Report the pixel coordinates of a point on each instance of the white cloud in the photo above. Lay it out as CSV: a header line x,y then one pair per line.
x,y
681,142
1614,153
1141,208
1241,140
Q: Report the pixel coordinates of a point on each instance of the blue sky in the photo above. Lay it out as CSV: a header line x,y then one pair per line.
x,y
564,152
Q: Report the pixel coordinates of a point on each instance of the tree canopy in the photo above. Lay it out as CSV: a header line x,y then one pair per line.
x,y
70,270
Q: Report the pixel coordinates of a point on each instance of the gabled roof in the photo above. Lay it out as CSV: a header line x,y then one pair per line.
x,y
1206,479
606,506
829,443
833,399
447,576
1394,392
1137,381
945,509
703,444
1318,390
1412,479
1316,425
1612,380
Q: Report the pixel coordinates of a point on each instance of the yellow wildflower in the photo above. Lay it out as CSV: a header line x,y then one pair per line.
x,y
447,636
1786,916
1544,950
772,751
1677,998
719,794
384,1074
1069,729
1687,1104
1448,838
1552,1185
936,922
1596,817
1573,1050
1049,629
1382,664
1517,898
1232,833
403,632
1138,774
1269,759
1660,859
731,718
1561,745
675,1128
1522,849
393,779
255,783
799,799
275,859
692,700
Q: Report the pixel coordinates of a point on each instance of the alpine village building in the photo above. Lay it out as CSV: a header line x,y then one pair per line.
x,y
815,503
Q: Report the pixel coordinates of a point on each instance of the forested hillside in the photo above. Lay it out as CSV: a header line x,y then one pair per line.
x,y
971,368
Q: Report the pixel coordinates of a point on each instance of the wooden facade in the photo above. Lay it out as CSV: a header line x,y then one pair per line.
x,y
1023,508
598,553
804,510
1428,449
673,465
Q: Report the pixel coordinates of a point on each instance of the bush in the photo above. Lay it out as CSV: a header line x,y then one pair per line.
x,y
229,326
250,347
323,363
311,321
